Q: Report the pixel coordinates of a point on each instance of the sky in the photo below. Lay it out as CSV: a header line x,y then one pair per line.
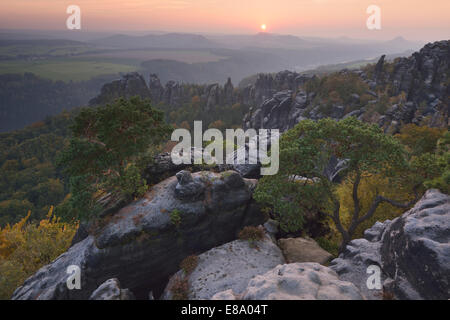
x,y
413,19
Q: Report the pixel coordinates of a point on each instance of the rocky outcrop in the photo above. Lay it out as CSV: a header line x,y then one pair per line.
x,y
130,85
424,78
156,89
144,243
174,94
266,85
412,251
230,266
162,167
282,112
228,92
110,290
303,250
277,102
296,281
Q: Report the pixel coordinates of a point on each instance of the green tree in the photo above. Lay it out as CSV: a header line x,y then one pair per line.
x,y
107,141
440,168
301,186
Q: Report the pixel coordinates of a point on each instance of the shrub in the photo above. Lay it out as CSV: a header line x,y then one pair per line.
x,y
252,234
189,264
180,289
175,217
25,248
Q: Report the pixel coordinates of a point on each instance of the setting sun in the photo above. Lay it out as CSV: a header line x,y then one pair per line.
x,y
263,27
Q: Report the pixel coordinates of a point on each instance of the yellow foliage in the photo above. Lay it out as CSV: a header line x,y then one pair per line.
x,y
419,140
369,187
26,247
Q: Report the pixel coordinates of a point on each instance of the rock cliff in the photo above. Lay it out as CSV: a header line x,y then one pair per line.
x,y
422,78
143,243
413,252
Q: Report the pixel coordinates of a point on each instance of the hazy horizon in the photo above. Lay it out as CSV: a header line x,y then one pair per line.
x,y
414,20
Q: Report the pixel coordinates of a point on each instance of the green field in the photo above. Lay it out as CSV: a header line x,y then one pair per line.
x,y
187,56
12,51
75,61
68,69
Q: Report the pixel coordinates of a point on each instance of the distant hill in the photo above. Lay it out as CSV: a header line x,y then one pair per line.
x,y
37,42
169,40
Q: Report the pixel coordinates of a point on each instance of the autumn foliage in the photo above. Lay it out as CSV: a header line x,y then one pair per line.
x,y
26,247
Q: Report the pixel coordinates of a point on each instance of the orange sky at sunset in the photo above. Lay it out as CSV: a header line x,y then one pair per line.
x,y
413,19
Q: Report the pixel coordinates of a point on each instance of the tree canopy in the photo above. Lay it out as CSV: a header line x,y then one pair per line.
x,y
106,144
302,185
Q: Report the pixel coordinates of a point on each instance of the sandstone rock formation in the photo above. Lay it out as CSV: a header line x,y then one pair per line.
x,y
296,281
229,266
130,85
413,252
423,77
303,250
144,243
110,290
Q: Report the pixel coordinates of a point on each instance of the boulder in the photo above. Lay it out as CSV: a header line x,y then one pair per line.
x,y
230,266
110,290
296,281
303,250
412,252
144,243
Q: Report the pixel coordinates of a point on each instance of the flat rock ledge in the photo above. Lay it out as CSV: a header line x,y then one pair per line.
x,y
296,281
229,266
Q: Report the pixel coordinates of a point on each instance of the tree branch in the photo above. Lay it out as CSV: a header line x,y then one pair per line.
x,y
379,199
355,196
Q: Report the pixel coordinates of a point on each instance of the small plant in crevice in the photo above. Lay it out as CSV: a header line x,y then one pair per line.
x,y
189,264
252,235
175,217
180,289
386,295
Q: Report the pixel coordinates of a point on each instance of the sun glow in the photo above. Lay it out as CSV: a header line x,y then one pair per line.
x,y
263,27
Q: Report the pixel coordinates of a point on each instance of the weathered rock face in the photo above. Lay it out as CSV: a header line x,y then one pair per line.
x,y
144,243
162,167
174,94
228,91
266,85
156,88
422,74
230,266
279,112
413,252
303,250
424,78
296,281
278,103
110,290
128,86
